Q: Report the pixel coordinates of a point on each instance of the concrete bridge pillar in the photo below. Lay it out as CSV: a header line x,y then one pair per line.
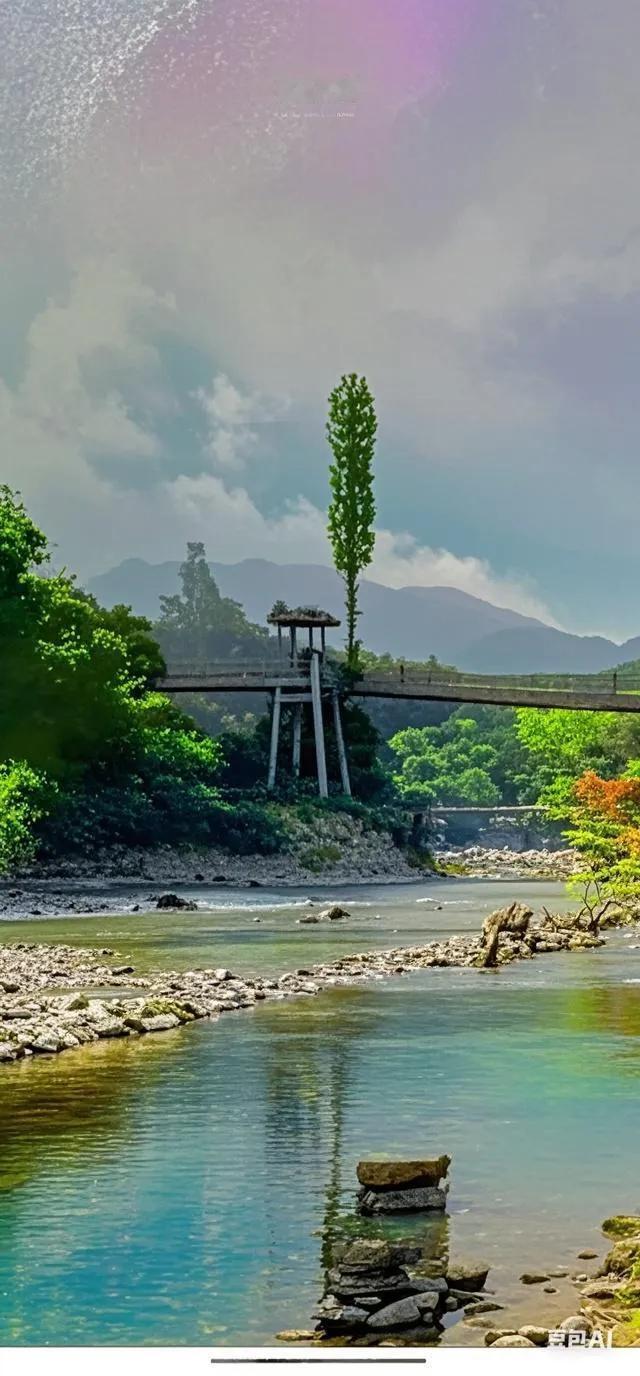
x,y
318,726
275,736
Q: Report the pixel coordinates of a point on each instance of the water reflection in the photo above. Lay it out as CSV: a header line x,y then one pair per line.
x,y
191,1188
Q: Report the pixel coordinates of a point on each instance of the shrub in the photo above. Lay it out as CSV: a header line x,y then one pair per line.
x,y
25,797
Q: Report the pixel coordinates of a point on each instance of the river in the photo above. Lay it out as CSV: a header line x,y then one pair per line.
x,y
185,1188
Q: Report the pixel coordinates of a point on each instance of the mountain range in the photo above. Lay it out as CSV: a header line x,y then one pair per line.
x,y
410,623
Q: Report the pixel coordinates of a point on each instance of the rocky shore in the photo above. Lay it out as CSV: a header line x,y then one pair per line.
x,y
334,849
478,862
607,1313
115,881
52,997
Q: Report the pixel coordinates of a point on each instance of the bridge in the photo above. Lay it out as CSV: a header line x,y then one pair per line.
x,y
582,693
294,681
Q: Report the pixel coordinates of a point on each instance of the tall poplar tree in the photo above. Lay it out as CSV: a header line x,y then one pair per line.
x,y
351,432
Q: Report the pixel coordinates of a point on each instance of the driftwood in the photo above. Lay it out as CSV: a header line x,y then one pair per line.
x,y
515,918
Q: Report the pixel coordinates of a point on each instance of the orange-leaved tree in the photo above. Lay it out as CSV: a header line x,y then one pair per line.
x,y
605,830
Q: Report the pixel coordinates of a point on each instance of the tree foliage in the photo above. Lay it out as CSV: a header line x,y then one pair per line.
x,y
351,432
447,764
89,753
198,624
604,826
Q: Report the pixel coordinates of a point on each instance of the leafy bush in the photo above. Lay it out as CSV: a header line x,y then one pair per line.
x,y
92,755
25,797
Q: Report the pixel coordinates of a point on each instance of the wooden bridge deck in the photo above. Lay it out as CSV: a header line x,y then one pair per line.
x,y
582,693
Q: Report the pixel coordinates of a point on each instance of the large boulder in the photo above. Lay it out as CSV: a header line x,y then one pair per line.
x,y
622,1226
401,1314
384,1175
621,1259
467,1275
538,1336
171,902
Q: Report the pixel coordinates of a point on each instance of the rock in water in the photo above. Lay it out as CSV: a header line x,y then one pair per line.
x,y
369,1286
467,1275
383,1175
576,1323
172,902
402,1314
334,913
297,1335
369,1254
622,1225
538,1336
428,1197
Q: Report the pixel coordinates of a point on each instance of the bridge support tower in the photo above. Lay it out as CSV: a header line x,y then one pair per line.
x,y
310,620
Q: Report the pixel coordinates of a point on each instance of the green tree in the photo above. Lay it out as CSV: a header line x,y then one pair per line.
x,y
447,764
144,656
88,755
198,623
562,744
351,432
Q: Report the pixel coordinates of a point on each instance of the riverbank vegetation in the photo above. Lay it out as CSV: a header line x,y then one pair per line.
x,y
91,755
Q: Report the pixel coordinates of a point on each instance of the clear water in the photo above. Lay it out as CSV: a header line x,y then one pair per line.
x,y
186,1188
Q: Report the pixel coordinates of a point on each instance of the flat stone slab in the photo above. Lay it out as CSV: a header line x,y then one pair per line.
x,y
411,1200
393,1175
399,1315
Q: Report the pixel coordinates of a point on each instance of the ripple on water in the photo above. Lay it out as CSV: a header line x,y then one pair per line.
x,y
185,1188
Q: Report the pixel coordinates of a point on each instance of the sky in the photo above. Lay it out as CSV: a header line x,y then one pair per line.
x,y
210,209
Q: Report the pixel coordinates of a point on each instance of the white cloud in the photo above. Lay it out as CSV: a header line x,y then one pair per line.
x,y
234,420
57,419
436,302
233,527
400,560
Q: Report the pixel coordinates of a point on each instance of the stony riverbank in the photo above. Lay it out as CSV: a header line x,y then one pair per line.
x,y
52,997
607,1311
478,862
332,849
115,880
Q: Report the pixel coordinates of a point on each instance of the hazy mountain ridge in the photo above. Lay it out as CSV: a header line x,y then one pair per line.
x,y
410,622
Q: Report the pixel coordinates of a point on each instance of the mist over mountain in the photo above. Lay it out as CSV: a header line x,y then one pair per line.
x,y
410,622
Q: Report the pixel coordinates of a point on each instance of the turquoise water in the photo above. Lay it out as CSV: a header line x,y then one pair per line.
x,y
185,1188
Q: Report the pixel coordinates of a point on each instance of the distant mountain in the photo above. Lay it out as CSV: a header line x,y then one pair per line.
x,y
411,622
541,649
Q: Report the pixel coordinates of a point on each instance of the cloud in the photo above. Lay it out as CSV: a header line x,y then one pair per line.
x,y
232,526
479,259
234,420
400,560
66,410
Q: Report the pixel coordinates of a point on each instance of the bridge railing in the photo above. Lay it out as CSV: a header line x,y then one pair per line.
x,y
410,676
604,684
234,668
